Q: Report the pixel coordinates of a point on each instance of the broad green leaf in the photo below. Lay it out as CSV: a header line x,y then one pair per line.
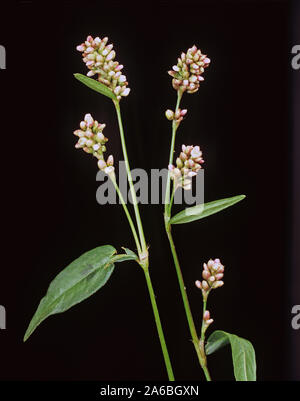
x,y
243,354
204,210
96,86
79,280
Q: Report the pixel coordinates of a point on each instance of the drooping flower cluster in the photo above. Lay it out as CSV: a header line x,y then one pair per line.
x,y
187,165
212,274
187,73
92,140
99,59
177,116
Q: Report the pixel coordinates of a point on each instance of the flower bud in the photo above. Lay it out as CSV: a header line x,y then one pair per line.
x,y
100,137
109,170
111,55
198,284
206,315
205,286
205,274
125,92
169,114
110,161
218,284
89,120
101,164
82,125
179,163
96,147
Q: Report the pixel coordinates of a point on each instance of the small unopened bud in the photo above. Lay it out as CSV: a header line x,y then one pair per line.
x,y
111,55
169,114
101,164
198,284
109,170
183,112
205,286
96,147
89,120
205,274
218,284
117,90
179,162
122,78
125,92
206,315
100,136
80,48
110,160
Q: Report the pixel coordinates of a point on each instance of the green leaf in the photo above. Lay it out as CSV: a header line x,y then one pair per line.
x,y
204,210
96,86
78,281
243,354
129,255
129,252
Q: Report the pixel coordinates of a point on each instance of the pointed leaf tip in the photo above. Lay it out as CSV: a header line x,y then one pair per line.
x,y
243,354
78,281
204,210
96,86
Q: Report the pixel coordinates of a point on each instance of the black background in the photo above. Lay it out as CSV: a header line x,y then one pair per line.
x,y
239,117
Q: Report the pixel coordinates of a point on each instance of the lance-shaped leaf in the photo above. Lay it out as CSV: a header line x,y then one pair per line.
x,y
96,86
78,281
204,210
243,354
129,255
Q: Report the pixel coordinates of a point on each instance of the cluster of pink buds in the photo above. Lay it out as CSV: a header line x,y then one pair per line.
x,y
177,116
207,319
187,73
107,166
99,59
92,140
212,275
187,165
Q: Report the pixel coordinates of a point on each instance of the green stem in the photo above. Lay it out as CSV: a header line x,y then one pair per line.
x,y
202,343
172,199
159,327
132,191
186,304
143,254
199,347
203,325
135,236
174,129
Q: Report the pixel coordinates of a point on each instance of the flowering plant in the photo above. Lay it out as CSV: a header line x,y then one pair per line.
x,y
88,273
